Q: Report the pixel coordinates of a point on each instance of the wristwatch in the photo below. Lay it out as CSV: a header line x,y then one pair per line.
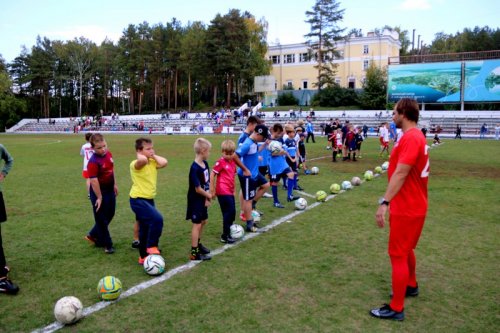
x,y
382,201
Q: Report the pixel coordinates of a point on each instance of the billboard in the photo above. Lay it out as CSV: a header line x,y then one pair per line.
x,y
425,82
482,81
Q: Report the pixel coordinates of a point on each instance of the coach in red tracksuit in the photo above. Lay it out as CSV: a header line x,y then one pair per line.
x,y
406,199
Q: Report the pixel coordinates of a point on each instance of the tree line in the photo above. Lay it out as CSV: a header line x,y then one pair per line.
x,y
151,68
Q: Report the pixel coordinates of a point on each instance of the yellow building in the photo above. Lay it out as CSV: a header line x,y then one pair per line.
x,y
294,68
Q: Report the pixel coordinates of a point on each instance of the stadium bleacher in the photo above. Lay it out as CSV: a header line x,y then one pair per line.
x,y
445,122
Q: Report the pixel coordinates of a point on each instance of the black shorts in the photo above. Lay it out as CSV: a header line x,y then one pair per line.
x,y
249,186
276,178
197,212
292,165
263,170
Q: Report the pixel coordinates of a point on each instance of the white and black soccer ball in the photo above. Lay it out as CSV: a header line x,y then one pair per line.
x,y
356,181
68,310
314,170
385,165
237,231
346,185
154,264
300,204
275,147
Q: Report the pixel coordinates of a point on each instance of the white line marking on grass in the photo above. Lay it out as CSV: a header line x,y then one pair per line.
x,y
87,311
317,158
49,143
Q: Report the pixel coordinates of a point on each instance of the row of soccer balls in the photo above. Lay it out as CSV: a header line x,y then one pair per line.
x,y
69,309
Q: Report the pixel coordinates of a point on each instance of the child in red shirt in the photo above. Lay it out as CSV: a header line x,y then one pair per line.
x,y
222,176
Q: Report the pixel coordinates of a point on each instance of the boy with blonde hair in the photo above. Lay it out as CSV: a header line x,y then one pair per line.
x,y
143,171
222,187
199,198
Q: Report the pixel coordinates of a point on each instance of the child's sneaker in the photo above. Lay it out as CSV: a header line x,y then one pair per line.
x,y
90,239
307,172
227,239
136,244
267,195
292,198
252,229
7,287
298,188
199,256
278,205
109,250
242,217
141,261
153,250
203,249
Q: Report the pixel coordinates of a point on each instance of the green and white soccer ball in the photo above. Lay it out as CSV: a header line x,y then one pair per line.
x,y
378,169
154,264
368,175
255,216
335,188
68,310
321,195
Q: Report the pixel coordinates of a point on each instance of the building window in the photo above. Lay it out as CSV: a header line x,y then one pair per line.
x,y
304,57
275,59
337,80
352,82
365,49
289,84
366,64
305,84
289,58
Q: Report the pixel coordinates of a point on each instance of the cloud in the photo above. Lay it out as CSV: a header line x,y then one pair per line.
x,y
415,5
95,33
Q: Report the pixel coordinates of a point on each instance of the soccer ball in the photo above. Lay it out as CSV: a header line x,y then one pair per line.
x,y
321,195
368,175
109,288
356,181
300,204
335,188
346,185
237,231
154,264
314,170
385,165
378,169
68,310
255,216
275,147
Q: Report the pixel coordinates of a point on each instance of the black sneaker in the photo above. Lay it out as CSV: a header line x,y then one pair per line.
x,y
203,249
278,205
252,229
298,188
7,287
385,312
227,239
410,292
199,256
136,244
292,198
109,250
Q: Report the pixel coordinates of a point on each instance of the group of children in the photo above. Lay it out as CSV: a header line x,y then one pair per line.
x,y
256,167
346,140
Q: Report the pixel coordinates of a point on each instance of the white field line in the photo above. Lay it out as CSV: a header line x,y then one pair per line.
x,y
171,273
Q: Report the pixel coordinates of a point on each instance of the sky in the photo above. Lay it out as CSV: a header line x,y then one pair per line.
x,y
21,21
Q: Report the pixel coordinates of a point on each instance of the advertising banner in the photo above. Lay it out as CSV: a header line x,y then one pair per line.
x,y
426,82
482,81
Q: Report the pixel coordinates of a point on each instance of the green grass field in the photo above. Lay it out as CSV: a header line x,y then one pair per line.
x,y
321,272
